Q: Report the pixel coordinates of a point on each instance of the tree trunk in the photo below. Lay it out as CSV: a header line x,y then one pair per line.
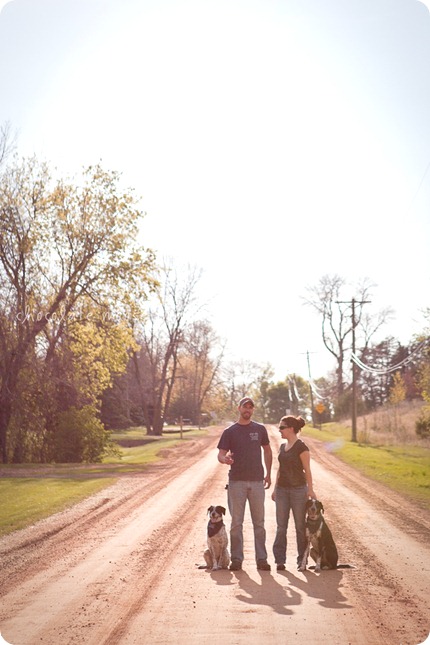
x,y
5,415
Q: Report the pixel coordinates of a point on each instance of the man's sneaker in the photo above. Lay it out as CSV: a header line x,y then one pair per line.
x,y
263,565
235,565
280,567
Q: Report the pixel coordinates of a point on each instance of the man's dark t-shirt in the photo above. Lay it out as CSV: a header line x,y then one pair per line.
x,y
245,442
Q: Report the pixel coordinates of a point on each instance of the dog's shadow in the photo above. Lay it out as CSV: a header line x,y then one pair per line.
x,y
225,579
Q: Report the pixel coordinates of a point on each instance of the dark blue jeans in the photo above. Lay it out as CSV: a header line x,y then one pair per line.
x,y
290,499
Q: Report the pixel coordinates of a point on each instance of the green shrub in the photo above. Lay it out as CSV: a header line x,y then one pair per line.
x,y
81,436
422,424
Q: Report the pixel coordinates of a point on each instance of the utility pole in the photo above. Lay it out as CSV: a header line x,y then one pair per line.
x,y
310,389
354,367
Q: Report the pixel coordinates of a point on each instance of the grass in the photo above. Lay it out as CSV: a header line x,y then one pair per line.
x,y
35,491
26,500
405,469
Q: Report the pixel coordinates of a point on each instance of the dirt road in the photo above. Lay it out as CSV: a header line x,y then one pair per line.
x,y
120,568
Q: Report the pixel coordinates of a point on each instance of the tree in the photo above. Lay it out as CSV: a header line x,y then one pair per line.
x,y
261,397
61,244
398,389
199,364
375,388
7,142
339,323
160,338
81,436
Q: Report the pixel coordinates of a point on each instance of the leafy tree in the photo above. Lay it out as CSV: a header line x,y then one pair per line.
x,y
62,243
423,378
279,401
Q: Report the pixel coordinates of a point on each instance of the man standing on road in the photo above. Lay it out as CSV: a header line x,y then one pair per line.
x,y
240,448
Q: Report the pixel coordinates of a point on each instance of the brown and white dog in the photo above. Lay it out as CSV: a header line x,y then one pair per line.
x,y
216,555
321,546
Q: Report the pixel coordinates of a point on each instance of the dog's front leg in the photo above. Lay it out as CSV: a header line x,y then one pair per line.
x,y
303,563
208,559
216,563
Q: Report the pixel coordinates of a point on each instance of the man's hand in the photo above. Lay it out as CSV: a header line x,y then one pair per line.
x,y
225,457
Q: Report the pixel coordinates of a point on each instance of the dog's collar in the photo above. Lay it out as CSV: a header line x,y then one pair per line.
x,y
214,527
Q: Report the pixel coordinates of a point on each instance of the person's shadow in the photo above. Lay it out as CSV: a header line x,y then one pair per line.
x,y
283,597
269,592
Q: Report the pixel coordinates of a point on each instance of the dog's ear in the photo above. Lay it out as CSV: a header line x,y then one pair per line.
x,y
210,509
320,504
222,509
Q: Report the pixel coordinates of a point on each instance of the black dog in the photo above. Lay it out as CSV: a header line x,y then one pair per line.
x,y
321,546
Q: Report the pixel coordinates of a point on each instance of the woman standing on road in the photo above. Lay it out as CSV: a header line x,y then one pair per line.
x,y
292,490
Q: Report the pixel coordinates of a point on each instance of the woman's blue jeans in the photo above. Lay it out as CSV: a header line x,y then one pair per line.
x,y
290,499
239,492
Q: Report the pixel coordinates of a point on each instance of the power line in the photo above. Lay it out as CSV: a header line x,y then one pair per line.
x,y
393,368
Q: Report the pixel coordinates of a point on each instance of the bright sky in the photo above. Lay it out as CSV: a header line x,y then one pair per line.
x,y
272,141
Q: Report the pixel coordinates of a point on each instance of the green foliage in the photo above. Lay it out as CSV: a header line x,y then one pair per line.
x,y
71,268
81,437
398,389
287,397
422,424
424,380
99,351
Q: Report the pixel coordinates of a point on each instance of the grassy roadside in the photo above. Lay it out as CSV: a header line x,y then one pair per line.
x,y
405,469
35,491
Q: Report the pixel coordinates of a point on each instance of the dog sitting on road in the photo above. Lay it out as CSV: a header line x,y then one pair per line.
x,y
320,546
216,555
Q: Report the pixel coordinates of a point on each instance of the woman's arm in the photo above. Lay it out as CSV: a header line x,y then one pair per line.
x,y
267,452
306,461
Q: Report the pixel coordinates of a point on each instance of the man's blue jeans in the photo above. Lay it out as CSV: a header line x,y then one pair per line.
x,y
290,499
239,492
